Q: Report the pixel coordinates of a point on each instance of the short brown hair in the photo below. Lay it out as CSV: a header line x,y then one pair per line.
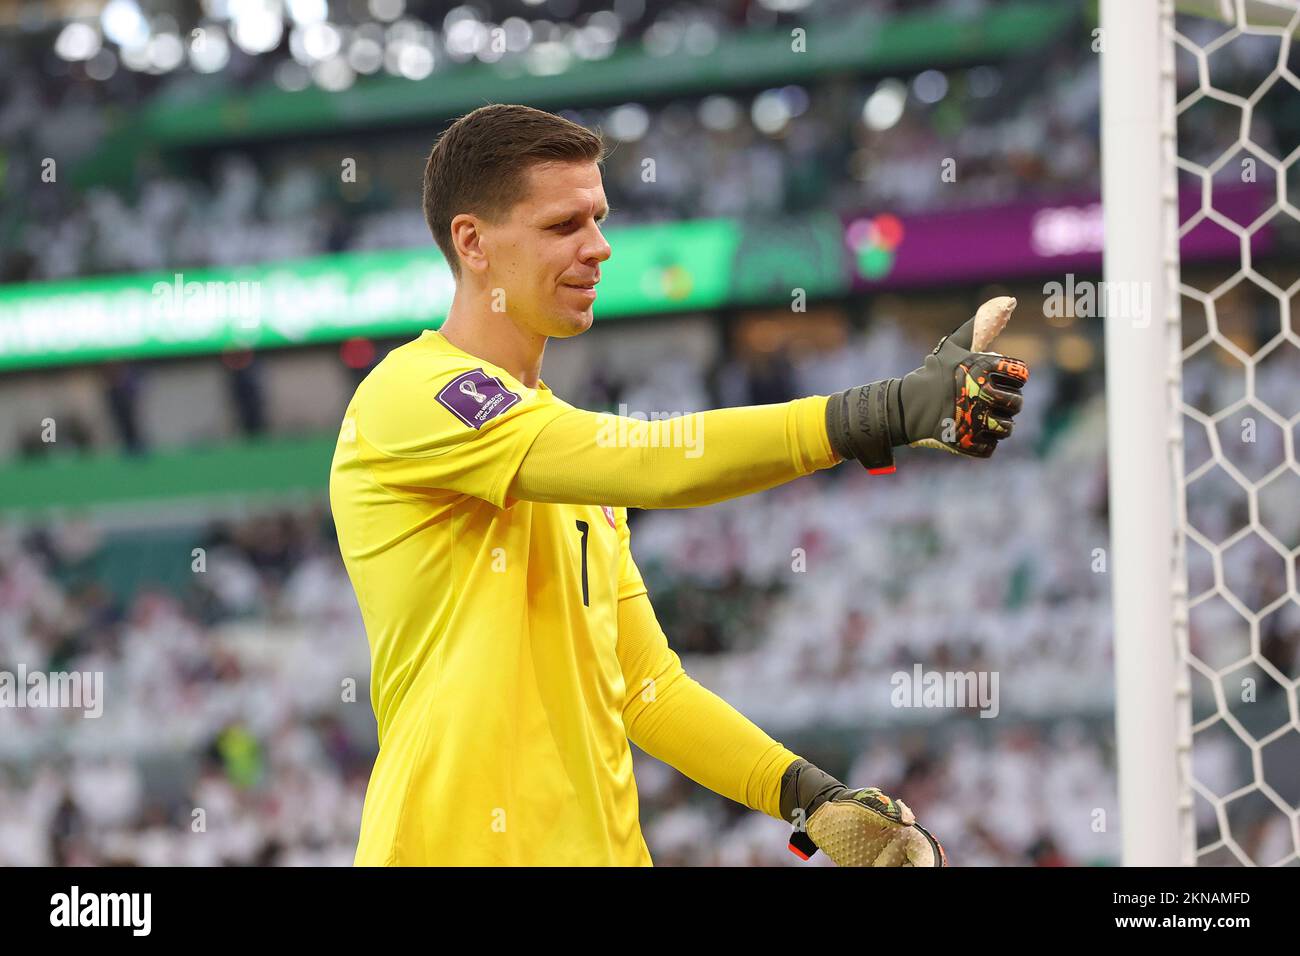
x,y
478,164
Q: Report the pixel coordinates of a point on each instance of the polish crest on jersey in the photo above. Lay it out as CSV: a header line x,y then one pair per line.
x,y
476,397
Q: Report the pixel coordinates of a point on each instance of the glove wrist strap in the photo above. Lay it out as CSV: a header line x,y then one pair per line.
x,y
804,788
859,420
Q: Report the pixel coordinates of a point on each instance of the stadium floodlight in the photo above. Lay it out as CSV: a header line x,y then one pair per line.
x,y
209,50
321,40
628,123
136,58
124,24
334,74
547,59
518,34
415,61
884,107
387,10
77,41
365,55
165,52
930,86
1163,724
308,11
256,26
465,36
770,113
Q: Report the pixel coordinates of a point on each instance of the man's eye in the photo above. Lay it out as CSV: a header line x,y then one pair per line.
x,y
567,224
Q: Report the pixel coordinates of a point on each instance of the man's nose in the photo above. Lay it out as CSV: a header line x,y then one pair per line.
x,y
597,250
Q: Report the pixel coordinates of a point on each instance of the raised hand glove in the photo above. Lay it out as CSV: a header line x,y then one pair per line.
x,y
961,400
853,827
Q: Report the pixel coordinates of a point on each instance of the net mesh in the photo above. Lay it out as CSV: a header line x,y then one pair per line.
x,y
1235,378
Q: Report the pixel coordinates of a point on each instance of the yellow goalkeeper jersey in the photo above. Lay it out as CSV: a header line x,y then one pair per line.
x,y
492,626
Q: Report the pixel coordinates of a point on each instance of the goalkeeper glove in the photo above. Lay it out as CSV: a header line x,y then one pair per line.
x,y
855,827
960,401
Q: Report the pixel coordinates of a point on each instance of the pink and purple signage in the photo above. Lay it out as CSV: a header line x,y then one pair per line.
x,y
994,243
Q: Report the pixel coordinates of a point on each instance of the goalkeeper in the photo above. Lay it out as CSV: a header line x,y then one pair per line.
x,y
483,524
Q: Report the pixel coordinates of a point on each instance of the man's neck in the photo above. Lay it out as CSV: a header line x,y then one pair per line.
x,y
495,337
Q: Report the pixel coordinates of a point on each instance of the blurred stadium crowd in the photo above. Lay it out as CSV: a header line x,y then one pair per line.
x,y
780,151
247,660
230,685
1021,128
238,728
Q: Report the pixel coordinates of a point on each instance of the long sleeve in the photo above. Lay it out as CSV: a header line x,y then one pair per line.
x,y
673,718
586,457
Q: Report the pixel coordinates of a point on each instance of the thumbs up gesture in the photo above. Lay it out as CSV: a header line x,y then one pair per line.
x,y
961,400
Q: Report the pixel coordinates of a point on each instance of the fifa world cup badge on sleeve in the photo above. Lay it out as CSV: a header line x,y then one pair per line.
x,y
476,397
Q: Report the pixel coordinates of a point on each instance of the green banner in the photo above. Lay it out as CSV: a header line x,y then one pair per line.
x,y
658,268
272,467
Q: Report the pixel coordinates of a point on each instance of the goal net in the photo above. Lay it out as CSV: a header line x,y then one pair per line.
x,y
1201,135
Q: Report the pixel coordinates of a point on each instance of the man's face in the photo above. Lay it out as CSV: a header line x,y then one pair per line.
x,y
545,255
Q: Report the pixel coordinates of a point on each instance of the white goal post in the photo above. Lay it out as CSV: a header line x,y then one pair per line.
x,y
1156,670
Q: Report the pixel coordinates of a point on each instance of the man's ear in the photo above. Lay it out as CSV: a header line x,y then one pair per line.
x,y
467,239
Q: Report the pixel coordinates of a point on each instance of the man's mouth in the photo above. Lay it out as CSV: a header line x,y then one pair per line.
x,y
586,289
